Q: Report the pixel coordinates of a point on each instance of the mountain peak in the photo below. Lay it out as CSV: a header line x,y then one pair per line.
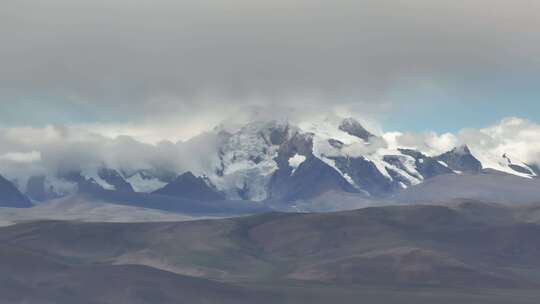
x,y
460,159
115,179
463,149
188,185
352,127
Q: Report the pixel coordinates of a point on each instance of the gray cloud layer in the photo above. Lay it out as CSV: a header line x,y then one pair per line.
x,y
136,60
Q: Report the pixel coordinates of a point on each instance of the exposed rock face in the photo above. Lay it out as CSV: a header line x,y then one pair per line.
x,y
520,169
313,177
112,177
364,174
354,128
188,185
427,166
461,159
536,169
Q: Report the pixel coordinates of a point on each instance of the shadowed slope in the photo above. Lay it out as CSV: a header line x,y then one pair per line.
x,y
417,245
10,196
29,277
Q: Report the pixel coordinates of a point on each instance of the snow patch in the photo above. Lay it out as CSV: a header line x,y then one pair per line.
x,y
92,175
443,163
497,162
247,160
296,161
145,184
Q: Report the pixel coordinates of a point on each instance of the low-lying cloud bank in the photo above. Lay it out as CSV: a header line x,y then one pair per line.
x,y
25,152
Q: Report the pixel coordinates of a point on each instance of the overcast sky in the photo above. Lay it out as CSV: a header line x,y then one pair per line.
x,y
171,68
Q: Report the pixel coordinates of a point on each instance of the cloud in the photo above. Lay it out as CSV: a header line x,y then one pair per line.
x,y
18,157
58,150
516,137
142,62
430,143
360,149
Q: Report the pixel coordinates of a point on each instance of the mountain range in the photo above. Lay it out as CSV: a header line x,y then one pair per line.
x,y
272,212
283,165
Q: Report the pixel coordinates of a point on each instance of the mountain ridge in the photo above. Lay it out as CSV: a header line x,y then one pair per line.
x,y
261,160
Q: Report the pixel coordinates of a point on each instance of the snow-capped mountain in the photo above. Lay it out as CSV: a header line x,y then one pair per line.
x,y
41,188
283,161
518,166
273,160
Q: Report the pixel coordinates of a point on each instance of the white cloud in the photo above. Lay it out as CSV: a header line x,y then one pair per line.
x,y
430,143
518,138
21,157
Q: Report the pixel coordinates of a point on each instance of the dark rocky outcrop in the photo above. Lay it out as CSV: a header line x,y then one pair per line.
x,y
190,186
312,178
354,128
461,159
427,166
113,178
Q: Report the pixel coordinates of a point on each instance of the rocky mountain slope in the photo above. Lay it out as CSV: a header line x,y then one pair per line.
x,y
10,196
